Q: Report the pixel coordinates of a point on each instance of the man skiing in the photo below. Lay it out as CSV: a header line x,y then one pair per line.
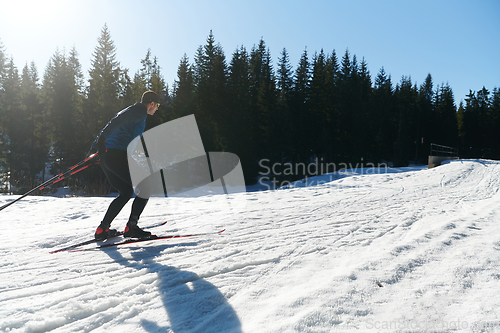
x,y
111,144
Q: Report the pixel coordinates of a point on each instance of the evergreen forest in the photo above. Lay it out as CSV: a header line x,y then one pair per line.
x,y
328,108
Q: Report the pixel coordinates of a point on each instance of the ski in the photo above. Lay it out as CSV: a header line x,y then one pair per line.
x,y
152,238
90,241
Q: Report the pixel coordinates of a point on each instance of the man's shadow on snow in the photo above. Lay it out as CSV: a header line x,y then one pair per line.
x,y
192,304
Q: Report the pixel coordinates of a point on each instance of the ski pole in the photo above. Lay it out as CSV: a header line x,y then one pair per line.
x,y
71,171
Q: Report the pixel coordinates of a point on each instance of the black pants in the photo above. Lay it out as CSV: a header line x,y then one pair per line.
x,y
114,163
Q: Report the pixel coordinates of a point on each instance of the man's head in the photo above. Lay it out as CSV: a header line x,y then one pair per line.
x,y
151,101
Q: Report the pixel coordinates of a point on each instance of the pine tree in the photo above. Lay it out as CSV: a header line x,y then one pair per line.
x,y
184,90
384,115
406,103
147,70
240,132
156,81
364,116
471,135
446,112
479,109
348,109
428,124
301,95
149,77
332,83
495,123
283,117
61,87
138,87
36,134
346,66
264,98
3,136
13,121
461,130
211,108
127,92
3,60
317,121
284,76
104,85
80,138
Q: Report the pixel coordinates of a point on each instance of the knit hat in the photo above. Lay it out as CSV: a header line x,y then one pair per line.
x,y
150,96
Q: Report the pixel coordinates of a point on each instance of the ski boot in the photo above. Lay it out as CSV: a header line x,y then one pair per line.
x,y
133,231
104,232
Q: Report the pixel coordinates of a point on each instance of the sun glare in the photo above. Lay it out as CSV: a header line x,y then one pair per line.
x,y
32,9
23,17
32,30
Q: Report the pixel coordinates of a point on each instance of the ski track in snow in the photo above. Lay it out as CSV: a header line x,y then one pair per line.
x,y
411,251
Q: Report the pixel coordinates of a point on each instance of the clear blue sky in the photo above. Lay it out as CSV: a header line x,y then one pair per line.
x,y
457,42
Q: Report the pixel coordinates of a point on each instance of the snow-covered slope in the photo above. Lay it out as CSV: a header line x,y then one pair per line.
x,y
410,251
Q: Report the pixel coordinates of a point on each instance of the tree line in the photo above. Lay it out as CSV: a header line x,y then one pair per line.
x,y
328,108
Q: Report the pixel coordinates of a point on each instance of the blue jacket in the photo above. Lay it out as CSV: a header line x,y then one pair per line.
x,y
124,127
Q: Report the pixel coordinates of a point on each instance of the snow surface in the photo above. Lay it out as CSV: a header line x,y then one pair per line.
x,y
417,250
